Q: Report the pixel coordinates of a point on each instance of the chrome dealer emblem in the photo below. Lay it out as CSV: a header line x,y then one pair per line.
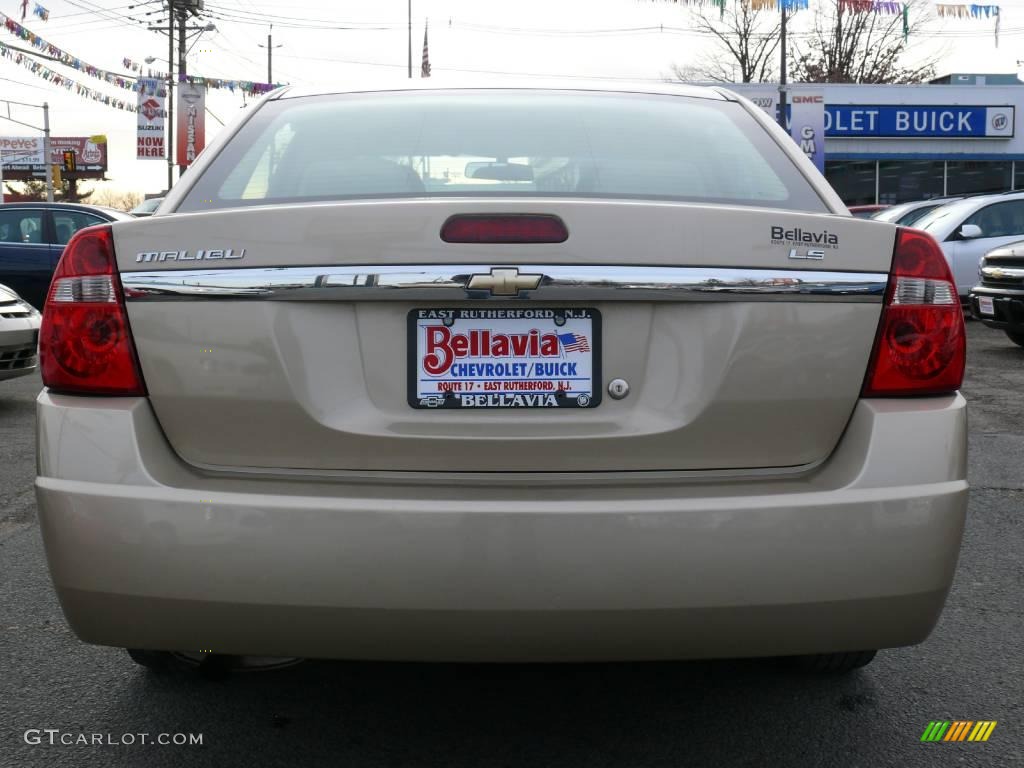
x,y
503,282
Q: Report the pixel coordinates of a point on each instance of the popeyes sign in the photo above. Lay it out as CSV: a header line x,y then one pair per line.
x,y
23,156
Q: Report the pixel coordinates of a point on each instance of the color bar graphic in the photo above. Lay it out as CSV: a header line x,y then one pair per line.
x,y
958,730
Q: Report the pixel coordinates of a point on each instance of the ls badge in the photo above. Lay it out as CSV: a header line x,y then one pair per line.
x,y
815,254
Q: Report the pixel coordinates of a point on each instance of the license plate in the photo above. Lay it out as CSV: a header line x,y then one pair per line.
x,y
985,305
504,358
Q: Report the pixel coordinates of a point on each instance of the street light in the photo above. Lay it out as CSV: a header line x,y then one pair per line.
x,y
211,27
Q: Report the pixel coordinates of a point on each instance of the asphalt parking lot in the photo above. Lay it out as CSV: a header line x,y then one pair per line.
x,y
745,713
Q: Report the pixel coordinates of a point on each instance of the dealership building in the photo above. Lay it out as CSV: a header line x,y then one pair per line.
x,y
895,143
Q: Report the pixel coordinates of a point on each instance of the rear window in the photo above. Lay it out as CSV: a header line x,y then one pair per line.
x,y
501,143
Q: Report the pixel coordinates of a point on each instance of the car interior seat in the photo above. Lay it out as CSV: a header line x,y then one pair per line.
x,y
64,231
358,176
30,231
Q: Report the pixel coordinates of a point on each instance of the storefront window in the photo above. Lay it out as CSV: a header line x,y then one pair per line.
x,y
972,177
854,182
904,181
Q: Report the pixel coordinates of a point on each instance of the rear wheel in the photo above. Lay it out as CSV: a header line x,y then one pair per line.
x,y
832,663
1016,337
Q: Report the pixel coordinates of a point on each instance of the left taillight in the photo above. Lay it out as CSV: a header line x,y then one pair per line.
x,y
921,346
85,342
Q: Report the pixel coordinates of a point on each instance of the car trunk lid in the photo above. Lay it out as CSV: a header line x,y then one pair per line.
x,y
280,337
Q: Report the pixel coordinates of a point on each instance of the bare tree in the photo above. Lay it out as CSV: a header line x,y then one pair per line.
x,y
850,42
116,198
746,44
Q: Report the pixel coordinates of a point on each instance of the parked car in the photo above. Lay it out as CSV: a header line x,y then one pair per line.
x,y
32,238
866,211
583,372
972,227
998,300
19,335
907,214
146,207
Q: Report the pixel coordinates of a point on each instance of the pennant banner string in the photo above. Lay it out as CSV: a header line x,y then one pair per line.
x,y
56,78
791,6
885,7
970,12
126,82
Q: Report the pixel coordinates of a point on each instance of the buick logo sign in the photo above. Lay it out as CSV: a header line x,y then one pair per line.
x,y
1000,121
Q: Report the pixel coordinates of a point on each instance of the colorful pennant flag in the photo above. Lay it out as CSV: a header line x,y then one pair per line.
x,y
967,11
790,6
970,12
41,12
885,7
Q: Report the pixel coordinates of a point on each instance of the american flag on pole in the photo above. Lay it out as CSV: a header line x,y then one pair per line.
x,y
574,342
425,67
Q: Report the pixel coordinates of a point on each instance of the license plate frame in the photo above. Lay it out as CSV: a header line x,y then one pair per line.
x,y
986,306
578,322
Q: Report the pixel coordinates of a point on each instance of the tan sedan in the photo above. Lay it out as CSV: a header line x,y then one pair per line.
x,y
522,373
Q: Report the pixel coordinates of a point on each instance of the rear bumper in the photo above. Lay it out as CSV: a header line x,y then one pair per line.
x,y
858,553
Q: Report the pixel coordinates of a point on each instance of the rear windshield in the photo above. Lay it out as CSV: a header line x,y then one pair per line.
x,y
501,143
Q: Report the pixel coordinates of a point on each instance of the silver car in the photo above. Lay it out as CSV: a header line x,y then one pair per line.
x,y
511,374
19,335
970,228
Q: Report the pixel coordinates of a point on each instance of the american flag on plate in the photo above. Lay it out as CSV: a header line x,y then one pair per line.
x,y
574,342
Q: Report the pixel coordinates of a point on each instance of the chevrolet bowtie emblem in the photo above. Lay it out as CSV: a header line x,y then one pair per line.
x,y
503,282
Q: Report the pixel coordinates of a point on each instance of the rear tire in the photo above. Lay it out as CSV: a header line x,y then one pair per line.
x,y
155,661
832,663
1016,337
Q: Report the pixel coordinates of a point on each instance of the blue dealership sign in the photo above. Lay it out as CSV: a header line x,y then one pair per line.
x,y
892,121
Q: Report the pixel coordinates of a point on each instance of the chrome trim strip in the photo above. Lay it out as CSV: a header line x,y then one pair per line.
x,y
998,290
449,283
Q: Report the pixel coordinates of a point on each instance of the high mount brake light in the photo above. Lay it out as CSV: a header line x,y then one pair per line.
x,y
85,343
921,345
504,228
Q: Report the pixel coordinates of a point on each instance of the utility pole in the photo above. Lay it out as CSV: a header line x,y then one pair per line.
x,y
46,152
182,67
782,70
410,39
179,9
170,94
270,53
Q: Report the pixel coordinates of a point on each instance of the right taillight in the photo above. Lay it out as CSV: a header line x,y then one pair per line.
x,y
85,344
921,346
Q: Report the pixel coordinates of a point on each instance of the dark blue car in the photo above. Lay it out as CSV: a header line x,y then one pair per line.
x,y
32,238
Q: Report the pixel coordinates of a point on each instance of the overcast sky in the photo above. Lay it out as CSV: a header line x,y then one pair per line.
x,y
634,39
